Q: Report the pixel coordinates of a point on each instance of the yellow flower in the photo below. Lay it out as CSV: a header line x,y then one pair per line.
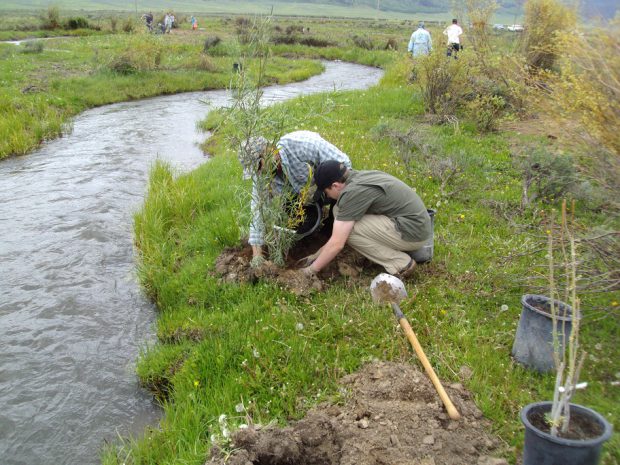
x,y
614,303
461,216
196,383
548,231
443,312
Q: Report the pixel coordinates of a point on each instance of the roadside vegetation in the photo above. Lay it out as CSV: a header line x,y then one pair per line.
x,y
491,142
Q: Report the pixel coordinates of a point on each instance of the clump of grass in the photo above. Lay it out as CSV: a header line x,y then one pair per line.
x,y
77,22
210,42
142,53
33,46
51,20
206,64
364,42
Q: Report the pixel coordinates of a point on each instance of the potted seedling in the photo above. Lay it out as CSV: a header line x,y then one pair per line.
x,y
558,432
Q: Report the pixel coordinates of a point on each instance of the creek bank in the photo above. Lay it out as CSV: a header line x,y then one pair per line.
x,y
391,415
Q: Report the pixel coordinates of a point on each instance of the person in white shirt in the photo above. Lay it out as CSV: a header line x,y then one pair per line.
x,y
420,42
453,31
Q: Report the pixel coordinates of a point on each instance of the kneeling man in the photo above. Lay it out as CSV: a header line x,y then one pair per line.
x,y
375,213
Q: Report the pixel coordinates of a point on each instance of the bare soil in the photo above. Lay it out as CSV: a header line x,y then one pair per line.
x,y
233,265
391,415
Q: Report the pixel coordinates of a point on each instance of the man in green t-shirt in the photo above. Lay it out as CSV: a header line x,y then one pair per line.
x,y
375,213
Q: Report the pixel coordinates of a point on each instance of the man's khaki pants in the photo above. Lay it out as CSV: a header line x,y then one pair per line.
x,y
376,238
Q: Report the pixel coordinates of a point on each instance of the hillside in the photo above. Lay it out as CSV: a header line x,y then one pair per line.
x,y
508,11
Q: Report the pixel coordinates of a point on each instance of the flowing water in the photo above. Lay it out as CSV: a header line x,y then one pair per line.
x,y
72,317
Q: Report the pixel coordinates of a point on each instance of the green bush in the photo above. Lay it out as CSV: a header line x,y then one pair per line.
x,y
363,42
33,46
210,42
546,176
77,23
129,25
51,20
444,82
545,19
142,53
485,111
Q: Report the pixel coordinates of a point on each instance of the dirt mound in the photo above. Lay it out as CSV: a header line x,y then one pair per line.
x,y
233,265
392,416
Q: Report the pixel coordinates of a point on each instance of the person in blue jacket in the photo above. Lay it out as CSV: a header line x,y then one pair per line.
x,y
420,42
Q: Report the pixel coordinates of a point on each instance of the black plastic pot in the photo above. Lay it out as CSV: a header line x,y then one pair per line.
x,y
541,448
533,345
312,220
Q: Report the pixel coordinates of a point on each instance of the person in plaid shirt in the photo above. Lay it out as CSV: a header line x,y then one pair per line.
x,y
296,155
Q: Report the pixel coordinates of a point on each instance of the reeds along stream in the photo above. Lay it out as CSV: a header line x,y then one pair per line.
x,y
72,317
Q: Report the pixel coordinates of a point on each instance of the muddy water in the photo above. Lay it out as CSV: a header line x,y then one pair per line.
x,y
72,318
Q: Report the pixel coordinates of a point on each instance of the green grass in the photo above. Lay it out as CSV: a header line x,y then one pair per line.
x,y
41,91
278,354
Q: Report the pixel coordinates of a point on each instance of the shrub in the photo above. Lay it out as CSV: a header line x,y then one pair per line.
x,y
243,29
544,20
546,176
392,44
363,42
129,25
586,89
444,82
52,19
206,64
77,23
310,41
294,28
33,46
479,13
485,111
210,42
141,54
113,23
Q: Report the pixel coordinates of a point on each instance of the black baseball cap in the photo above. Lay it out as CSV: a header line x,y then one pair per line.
x,y
327,173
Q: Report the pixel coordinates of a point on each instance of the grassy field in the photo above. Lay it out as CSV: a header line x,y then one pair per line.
x,y
45,84
278,354
213,7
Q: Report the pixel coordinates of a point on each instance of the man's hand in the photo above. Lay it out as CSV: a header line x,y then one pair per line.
x,y
257,261
309,260
308,271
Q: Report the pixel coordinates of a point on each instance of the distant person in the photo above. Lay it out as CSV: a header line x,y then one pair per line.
x,y
453,31
194,22
148,19
420,42
167,23
172,21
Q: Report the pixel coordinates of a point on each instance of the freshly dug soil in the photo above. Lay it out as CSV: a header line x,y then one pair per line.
x,y
392,416
233,265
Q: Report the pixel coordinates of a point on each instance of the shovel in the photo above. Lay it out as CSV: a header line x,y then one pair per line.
x,y
386,288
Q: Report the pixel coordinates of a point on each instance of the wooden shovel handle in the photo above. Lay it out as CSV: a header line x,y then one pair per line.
x,y
452,411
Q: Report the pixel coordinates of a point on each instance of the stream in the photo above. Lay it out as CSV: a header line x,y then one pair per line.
x,y
72,316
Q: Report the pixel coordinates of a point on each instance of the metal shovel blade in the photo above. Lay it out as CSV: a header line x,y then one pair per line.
x,y
387,289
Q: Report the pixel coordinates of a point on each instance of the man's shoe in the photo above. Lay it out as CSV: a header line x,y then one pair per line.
x,y
407,271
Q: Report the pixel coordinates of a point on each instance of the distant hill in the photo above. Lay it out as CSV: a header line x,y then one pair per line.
x,y
508,9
